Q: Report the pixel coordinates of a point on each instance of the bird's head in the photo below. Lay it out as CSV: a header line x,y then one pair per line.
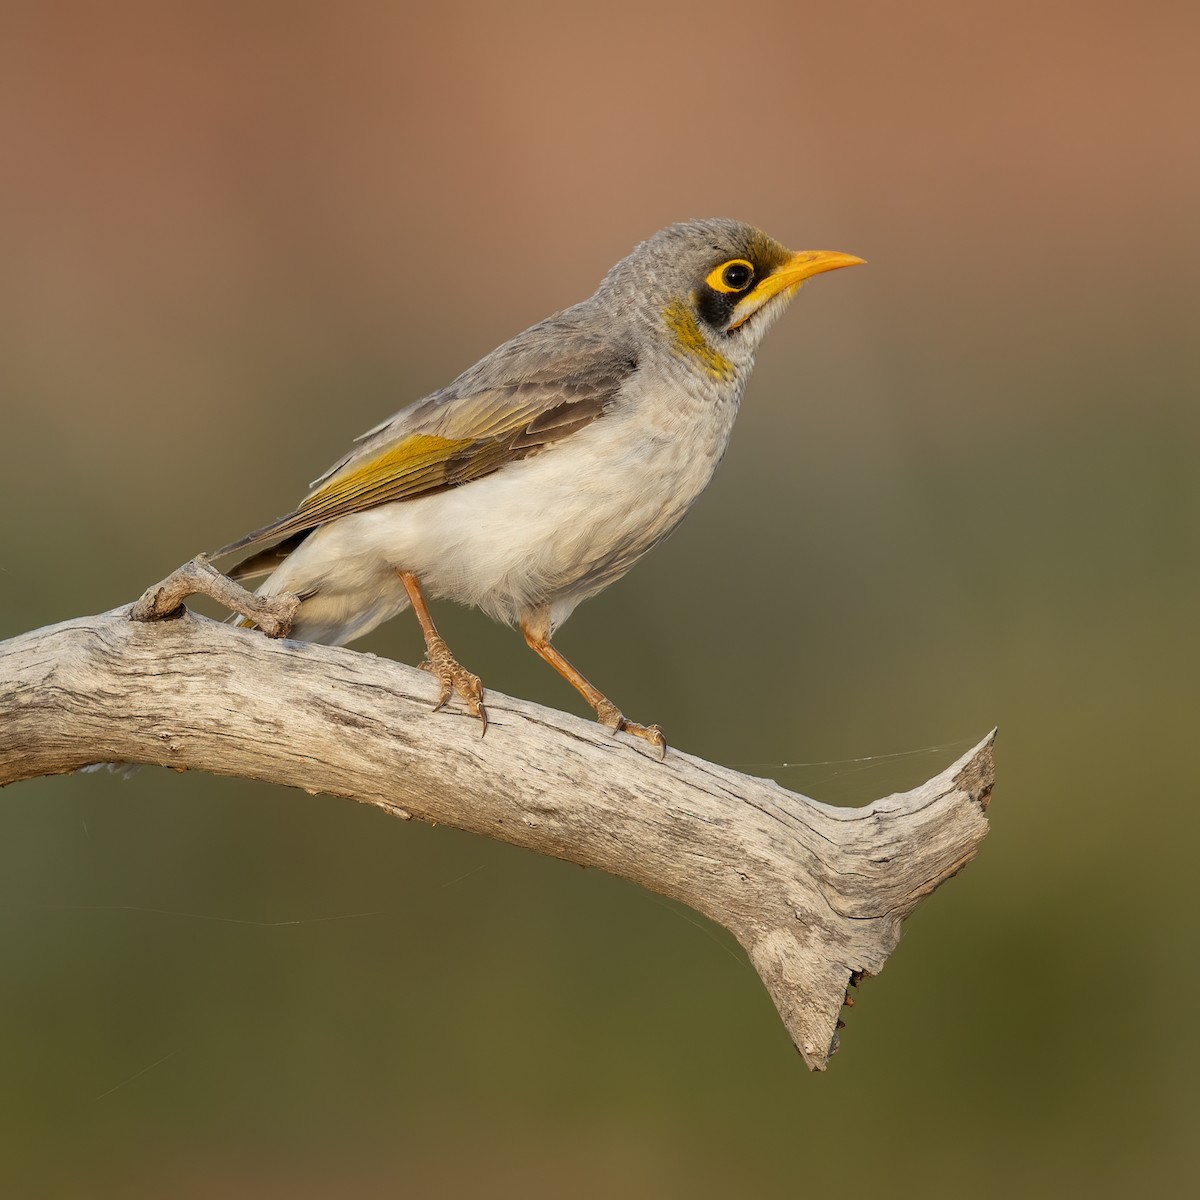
x,y
716,286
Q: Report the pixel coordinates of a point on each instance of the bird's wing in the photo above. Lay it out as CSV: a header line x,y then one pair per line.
x,y
452,437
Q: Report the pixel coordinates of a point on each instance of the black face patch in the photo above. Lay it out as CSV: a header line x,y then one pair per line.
x,y
715,307
734,275
724,284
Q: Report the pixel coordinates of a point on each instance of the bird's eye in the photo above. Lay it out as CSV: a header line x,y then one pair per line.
x,y
734,276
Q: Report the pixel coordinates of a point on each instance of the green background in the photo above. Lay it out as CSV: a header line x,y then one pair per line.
x,y
962,493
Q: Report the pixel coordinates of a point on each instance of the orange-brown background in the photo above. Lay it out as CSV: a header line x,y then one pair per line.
x,y
962,493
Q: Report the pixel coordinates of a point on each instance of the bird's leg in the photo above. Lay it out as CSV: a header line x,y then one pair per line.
x,y
538,639
439,662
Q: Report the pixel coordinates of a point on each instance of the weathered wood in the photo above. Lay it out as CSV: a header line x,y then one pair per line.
x,y
272,614
815,894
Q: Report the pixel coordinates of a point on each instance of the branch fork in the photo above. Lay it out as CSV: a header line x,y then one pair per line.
x,y
272,614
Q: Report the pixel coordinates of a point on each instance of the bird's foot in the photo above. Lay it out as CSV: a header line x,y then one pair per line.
x,y
454,678
607,713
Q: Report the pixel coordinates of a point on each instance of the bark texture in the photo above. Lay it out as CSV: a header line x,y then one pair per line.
x,y
815,894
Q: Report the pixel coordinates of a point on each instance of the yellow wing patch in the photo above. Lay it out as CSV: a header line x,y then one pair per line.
x,y
689,342
417,464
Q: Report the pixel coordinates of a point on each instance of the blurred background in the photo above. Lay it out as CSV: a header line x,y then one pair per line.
x,y
962,493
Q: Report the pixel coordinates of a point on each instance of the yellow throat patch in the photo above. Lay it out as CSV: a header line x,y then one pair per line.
x,y
688,342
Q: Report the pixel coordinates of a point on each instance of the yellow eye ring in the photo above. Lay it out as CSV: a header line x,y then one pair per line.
x,y
733,276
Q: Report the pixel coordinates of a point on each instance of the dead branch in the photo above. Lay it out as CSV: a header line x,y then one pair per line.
x,y
815,894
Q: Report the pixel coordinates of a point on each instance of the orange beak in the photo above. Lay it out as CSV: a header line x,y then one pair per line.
x,y
788,278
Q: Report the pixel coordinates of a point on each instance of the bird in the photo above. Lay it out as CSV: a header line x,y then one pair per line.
x,y
543,473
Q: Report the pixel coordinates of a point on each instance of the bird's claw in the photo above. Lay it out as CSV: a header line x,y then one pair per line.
x,y
454,679
609,714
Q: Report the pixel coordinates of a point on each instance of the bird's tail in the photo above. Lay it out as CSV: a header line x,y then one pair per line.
x,y
266,562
